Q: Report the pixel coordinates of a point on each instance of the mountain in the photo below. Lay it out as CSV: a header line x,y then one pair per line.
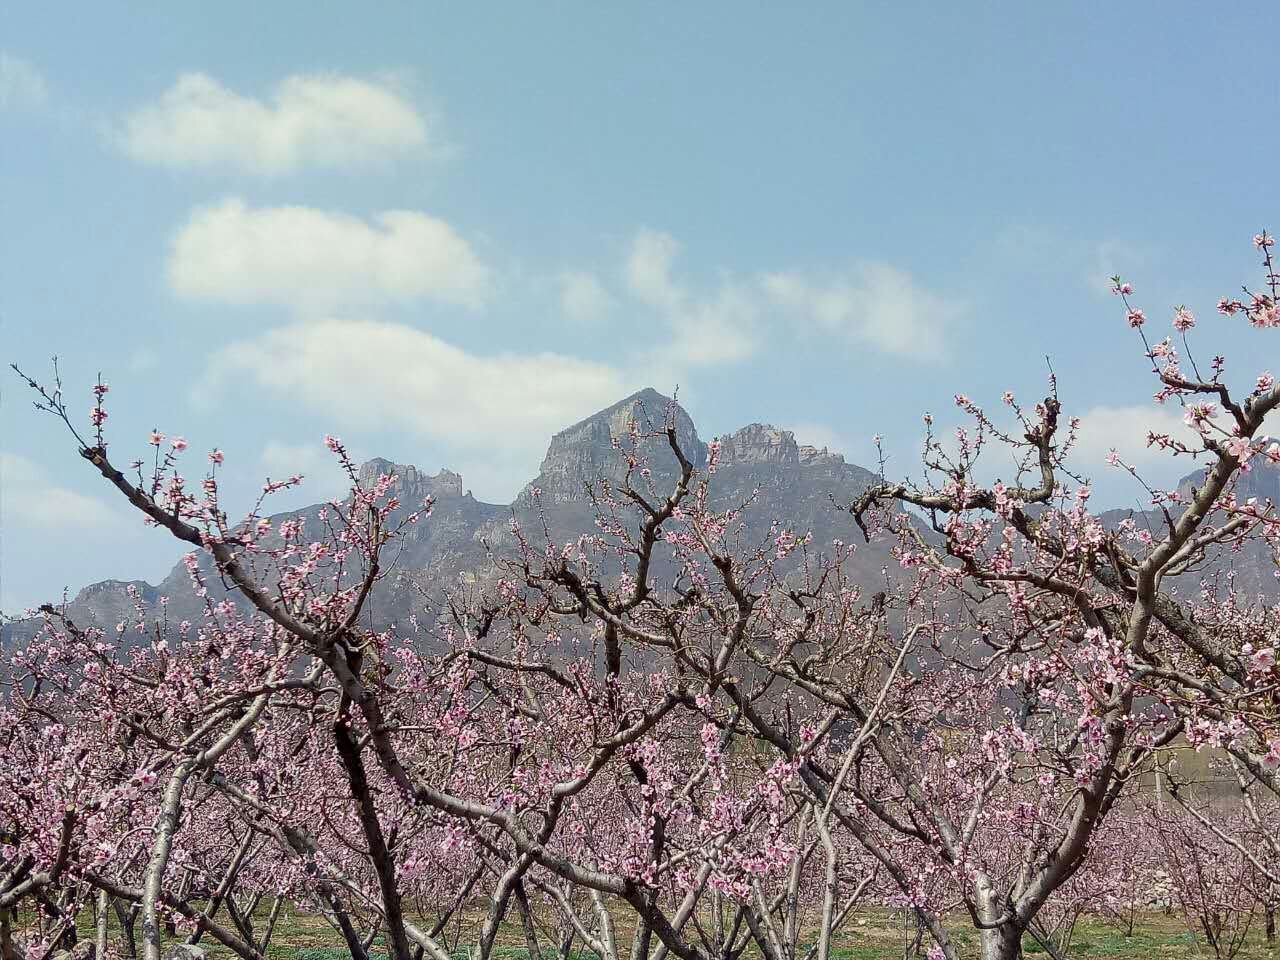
x,y
585,451
1252,566
800,486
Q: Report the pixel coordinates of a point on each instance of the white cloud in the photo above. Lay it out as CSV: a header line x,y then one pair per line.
x,y
21,84
877,305
705,329
583,297
648,270
1125,429
55,536
310,120
323,477
820,435
302,256
874,304
33,500
716,330
369,374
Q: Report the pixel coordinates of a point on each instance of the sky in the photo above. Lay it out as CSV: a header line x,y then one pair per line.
x,y
445,231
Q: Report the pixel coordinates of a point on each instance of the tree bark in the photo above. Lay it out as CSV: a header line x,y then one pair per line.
x,y
349,753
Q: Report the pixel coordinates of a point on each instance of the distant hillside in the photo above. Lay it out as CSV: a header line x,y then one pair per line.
x,y
1253,567
800,485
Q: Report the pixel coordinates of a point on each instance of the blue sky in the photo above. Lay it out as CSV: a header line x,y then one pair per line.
x,y
445,231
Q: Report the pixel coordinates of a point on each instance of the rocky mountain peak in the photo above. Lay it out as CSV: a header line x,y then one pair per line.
x,y
1262,481
811,454
585,452
412,485
760,443
106,588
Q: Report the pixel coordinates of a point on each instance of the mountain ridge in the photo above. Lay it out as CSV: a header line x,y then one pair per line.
x,y
793,482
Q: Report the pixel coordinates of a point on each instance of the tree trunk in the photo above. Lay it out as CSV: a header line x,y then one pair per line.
x,y
8,949
526,922
101,916
127,915
348,749
1002,943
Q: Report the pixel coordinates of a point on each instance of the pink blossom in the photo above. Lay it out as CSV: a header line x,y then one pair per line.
x,y
1263,660
713,455
1265,315
1271,759
1197,415
1240,448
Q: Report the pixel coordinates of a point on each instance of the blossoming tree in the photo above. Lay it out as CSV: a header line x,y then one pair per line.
x,y
714,731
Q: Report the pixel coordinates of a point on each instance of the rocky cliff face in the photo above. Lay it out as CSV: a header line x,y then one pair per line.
x,y
798,486
111,601
412,486
760,443
586,451
759,462
1261,481
1252,568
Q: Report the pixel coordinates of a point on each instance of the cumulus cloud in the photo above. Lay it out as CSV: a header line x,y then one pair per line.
x,y
719,329
324,120
374,374
704,328
648,270
821,435
1125,429
323,476
56,536
876,305
33,500
583,297
21,84
302,256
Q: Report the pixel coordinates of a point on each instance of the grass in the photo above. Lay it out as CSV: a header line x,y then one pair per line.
x,y
872,935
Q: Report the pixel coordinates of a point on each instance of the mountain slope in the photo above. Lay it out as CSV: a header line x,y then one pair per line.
x,y
800,486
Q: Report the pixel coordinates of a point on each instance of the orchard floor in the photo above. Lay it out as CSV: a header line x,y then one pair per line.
x,y
873,936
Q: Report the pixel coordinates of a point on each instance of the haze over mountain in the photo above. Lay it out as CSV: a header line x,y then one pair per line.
x,y
797,484
801,486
